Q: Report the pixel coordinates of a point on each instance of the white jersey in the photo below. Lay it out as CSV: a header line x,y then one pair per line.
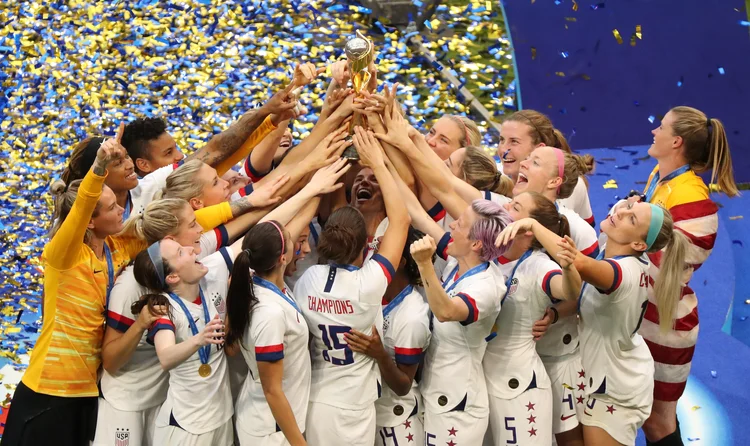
x,y
579,202
311,258
140,196
616,358
140,383
453,378
276,331
582,233
511,363
406,334
334,300
198,405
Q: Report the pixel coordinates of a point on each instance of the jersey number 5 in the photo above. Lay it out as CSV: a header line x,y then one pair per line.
x,y
331,333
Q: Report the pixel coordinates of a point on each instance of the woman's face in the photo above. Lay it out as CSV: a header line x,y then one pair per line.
x,y
628,224
521,206
121,176
301,250
455,163
183,261
664,139
462,245
539,172
366,195
516,144
189,232
108,220
215,189
444,137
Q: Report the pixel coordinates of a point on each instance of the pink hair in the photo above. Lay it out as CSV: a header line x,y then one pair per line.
x,y
491,220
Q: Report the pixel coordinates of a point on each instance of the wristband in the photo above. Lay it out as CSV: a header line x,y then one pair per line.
x,y
557,315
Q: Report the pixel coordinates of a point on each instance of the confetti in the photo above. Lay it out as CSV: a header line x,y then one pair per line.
x,y
610,184
714,374
694,408
617,35
639,32
736,217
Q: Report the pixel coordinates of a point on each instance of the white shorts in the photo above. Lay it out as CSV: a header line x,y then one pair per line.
x,y
408,432
117,427
525,419
456,427
176,436
568,382
275,439
328,425
620,422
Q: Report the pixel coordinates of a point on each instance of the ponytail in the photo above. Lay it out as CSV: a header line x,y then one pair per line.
x,y
240,299
64,197
545,212
575,166
706,146
559,141
262,248
158,220
150,301
480,170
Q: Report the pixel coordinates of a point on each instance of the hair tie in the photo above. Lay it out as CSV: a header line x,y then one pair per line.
x,y
709,128
654,225
155,255
281,234
247,251
560,166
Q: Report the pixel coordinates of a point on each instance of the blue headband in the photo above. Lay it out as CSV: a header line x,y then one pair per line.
x,y
654,226
155,256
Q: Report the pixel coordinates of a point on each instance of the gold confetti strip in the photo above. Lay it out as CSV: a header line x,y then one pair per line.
x,y
638,32
617,35
610,184
533,53
736,217
575,5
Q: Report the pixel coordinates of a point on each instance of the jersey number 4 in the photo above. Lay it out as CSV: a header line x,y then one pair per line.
x,y
332,333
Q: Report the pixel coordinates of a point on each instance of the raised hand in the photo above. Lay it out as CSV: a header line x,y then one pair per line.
x,y
212,333
509,233
304,73
567,255
265,195
281,106
110,150
334,99
423,249
340,72
328,150
369,149
324,180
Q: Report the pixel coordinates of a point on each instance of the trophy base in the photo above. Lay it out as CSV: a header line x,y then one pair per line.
x,y
350,152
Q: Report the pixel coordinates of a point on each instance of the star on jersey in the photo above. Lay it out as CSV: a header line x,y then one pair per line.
x,y
582,374
451,443
530,406
407,424
532,419
579,400
532,432
611,409
410,437
452,431
581,386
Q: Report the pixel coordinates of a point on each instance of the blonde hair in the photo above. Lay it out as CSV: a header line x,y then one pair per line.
x,y
64,198
706,146
574,167
470,135
480,171
182,182
158,220
668,286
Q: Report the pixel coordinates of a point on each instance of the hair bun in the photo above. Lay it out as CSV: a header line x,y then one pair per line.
x,y
58,188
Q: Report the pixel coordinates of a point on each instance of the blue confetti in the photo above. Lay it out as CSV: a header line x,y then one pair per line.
x,y
721,70
651,119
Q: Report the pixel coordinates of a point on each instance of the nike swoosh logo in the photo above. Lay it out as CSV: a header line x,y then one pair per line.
x,y
97,271
565,418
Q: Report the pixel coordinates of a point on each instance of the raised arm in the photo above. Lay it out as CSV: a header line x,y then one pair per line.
x,y
419,217
598,273
371,155
442,306
63,249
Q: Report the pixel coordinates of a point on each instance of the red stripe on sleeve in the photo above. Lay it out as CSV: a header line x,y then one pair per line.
x,y
270,348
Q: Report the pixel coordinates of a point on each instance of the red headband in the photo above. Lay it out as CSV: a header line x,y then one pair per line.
x,y
281,234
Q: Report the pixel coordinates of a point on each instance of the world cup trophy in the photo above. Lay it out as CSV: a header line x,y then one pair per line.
x,y
359,54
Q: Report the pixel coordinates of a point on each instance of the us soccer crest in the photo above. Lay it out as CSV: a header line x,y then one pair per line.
x,y
513,286
122,437
386,323
220,305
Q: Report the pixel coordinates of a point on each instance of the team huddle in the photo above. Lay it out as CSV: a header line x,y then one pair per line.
x,y
257,292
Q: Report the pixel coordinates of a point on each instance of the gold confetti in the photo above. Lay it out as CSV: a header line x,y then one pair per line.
x,y
736,217
610,184
571,19
575,5
694,408
638,32
560,73
617,35
632,40
533,53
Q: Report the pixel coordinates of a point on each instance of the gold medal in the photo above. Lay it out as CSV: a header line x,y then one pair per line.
x,y
204,370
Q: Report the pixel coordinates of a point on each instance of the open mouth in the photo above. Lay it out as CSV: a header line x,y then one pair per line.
x,y
522,178
132,176
363,194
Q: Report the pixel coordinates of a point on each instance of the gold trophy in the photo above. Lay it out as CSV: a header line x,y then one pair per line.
x,y
359,54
